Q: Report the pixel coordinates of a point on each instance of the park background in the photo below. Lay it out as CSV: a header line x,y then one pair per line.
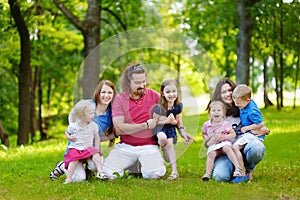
x,y
54,52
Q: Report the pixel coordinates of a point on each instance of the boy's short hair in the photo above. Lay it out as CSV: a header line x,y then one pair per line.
x,y
242,91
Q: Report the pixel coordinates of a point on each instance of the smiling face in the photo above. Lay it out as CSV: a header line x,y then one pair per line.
x,y
138,85
170,93
106,95
217,112
226,94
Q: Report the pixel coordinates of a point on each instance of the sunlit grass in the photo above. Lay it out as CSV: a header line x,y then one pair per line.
x,y
24,171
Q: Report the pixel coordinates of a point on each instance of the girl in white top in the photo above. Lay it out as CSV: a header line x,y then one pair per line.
x,y
84,140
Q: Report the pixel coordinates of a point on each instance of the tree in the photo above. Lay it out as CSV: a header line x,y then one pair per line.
x,y
244,40
3,136
216,29
90,29
24,75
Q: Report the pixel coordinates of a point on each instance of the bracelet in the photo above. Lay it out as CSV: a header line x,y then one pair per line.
x,y
181,127
147,124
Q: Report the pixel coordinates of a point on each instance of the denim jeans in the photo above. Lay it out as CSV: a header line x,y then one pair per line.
x,y
253,153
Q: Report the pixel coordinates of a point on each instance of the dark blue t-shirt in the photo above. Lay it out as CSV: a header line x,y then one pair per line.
x,y
168,129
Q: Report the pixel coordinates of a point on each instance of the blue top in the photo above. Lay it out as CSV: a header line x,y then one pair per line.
x,y
103,121
251,115
168,129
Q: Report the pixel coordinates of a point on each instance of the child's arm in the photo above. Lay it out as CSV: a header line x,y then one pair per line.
x,y
205,139
183,133
231,134
97,140
69,136
208,140
173,120
252,127
71,117
162,120
262,131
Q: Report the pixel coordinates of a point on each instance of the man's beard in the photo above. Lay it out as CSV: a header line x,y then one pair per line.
x,y
140,92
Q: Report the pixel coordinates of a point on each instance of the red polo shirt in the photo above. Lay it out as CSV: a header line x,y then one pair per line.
x,y
136,111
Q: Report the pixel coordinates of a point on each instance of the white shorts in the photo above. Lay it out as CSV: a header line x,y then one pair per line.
x,y
218,146
79,174
124,156
245,139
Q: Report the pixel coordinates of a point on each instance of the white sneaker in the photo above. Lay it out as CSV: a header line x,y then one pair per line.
x,y
67,181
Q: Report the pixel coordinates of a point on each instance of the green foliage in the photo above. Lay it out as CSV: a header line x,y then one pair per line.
x,y
57,46
8,101
276,177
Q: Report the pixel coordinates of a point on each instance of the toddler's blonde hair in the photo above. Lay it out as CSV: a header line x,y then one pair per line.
x,y
242,92
80,108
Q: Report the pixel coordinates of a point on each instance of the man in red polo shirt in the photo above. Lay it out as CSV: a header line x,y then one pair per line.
x,y
131,112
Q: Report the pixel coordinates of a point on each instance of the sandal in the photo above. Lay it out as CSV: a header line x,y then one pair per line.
x,y
102,176
238,172
57,171
173,176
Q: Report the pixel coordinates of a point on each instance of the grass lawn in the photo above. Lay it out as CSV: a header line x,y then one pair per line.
x,y
24,172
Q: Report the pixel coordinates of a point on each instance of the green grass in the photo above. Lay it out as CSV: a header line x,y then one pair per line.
x,y
24,172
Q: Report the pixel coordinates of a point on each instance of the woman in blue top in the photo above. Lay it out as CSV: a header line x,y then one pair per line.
x,y
102,98
167,112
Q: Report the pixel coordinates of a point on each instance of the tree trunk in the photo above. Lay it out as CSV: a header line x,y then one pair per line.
x,y
32,107
42,126
4,136
281,63
297,73
243,43
276,80
24,75
90,29
266,85
228,69
47,115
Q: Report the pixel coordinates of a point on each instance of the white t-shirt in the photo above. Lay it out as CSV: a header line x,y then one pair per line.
x,y
233,120
85,135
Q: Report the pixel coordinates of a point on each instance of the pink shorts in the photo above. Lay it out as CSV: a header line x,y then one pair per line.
x,y
74,155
